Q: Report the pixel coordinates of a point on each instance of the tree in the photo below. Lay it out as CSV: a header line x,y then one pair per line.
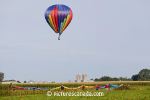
x,y
135,77
1,76
97,80
144,75
115,79
106,78
124,79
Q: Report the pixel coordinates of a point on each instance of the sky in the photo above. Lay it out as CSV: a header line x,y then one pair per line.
x,y
105,37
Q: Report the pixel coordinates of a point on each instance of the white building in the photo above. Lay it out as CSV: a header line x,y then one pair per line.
x,y
81,78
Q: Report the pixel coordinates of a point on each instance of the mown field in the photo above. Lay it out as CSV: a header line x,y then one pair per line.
x,y
136,91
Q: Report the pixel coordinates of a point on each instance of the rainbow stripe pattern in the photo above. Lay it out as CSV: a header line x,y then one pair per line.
x,y
58,17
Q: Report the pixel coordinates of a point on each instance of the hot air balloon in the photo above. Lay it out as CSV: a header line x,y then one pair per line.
x,y
58,17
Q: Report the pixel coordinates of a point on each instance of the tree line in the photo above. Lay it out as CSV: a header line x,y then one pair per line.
x,y
143,75
1,76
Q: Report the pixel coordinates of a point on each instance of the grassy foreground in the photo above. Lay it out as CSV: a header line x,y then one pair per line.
x,y
136,92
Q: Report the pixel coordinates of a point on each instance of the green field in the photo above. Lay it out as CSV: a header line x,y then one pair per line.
x,y
136,91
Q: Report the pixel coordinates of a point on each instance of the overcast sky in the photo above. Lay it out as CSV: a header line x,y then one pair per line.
x,y
105,37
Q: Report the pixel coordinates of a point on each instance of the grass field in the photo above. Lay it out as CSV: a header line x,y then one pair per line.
x,y
137,91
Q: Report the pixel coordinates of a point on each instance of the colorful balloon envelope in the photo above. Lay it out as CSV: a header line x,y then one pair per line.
x,y
58,17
